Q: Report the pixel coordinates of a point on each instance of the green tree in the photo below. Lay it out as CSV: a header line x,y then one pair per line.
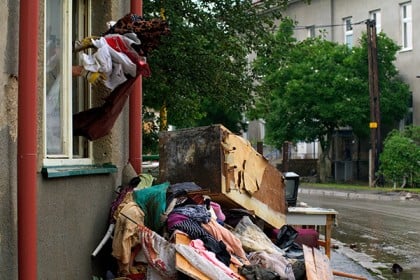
x,y
204,62
394,93
268,60
315,87
150,133
400,158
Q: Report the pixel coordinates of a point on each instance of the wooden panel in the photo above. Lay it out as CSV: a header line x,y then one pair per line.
x,y
272,190
317,264
196,155
311,273
191,155
322,264
185,267
182,264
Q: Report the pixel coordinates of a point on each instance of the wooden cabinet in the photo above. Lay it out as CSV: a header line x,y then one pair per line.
x,y
227,166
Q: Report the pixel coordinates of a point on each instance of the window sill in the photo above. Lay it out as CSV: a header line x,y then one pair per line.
x,y
405,50
77,170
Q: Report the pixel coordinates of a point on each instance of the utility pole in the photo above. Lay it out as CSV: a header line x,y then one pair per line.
x,y
375,118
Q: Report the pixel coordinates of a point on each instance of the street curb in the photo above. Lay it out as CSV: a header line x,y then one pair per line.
x,y
356,195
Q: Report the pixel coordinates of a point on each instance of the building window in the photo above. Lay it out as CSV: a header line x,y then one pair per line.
x,y
64,95
311,31
406,26
348,32
376,16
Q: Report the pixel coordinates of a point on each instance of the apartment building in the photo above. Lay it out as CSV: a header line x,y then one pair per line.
x,y
344,21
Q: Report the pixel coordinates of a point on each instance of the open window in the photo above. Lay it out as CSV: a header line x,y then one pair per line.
x,y
64,95
118,59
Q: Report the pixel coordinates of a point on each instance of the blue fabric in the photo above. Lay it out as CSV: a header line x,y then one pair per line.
x,y
152,201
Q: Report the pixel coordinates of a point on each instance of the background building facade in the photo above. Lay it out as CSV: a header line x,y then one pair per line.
x,y
344,21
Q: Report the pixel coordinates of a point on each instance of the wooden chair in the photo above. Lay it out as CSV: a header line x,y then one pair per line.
x,y
318,266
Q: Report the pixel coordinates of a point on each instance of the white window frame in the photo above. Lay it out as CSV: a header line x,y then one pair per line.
x,y
406,26
348,31
311,31
66,156
377,17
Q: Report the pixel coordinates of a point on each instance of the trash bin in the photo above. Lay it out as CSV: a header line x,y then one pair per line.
x,y
291,187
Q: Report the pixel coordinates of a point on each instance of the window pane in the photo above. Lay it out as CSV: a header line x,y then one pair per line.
x,y
406,25
348,25
409,34
311,31
54,100
80,88
349,40
348,32
65,21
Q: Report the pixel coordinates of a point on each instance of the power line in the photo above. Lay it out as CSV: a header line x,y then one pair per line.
x,y
328,25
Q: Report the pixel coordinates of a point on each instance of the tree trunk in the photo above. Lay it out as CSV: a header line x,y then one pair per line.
x,y
324,167
324,159
163,126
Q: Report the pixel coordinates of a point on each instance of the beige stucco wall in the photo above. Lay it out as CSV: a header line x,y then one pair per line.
x,y
8,134
317,13
72,211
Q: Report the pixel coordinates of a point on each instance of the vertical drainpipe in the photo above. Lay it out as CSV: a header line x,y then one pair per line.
x,y
27,140
135,115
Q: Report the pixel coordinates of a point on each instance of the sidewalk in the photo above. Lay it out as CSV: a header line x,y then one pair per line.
x,y
374,193
344,259
341,262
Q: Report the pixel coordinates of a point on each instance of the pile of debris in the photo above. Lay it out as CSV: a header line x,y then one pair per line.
x,y
176,231
217,211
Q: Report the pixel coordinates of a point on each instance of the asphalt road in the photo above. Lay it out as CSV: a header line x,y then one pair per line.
x,y
380,229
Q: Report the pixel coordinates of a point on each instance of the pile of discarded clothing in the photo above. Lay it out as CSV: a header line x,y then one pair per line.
x,y
117,59
218,243
121,51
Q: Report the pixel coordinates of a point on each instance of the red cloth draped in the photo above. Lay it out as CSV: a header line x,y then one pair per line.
x,y
98,122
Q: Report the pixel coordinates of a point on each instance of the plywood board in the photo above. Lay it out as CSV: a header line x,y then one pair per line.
x,y
317,265
185,267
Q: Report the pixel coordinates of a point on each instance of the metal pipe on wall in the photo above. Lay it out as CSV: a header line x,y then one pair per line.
x,y
27,140
135,114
